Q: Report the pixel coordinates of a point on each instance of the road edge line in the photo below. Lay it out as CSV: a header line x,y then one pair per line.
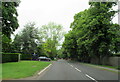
x,y
44,69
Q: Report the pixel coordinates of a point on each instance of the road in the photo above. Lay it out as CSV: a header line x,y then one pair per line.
x,y
63,70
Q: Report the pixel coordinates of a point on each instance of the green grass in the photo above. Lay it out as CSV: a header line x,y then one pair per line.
x,y
95,65
0,71
22,69
113,67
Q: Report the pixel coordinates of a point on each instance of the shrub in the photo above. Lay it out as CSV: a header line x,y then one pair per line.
x,y
26,56
117,54
10,57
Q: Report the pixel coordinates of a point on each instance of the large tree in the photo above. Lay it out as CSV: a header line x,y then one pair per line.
x,y
9,18
100,27
94,33
26,41
9,23
52,35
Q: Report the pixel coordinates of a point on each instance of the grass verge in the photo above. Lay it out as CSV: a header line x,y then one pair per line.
x,y
104,67
22,69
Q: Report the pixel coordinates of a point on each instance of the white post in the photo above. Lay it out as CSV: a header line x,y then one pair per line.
x,y
19,57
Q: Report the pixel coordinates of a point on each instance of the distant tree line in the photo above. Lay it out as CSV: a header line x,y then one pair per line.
x,y
93,33
42,41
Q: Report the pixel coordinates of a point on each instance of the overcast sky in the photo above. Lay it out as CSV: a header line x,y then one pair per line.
x,y
44,11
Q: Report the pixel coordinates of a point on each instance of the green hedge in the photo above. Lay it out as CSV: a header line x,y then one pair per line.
x,y
117,54
26,57
10,57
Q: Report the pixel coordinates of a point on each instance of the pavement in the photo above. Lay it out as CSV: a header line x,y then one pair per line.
x,y
65,70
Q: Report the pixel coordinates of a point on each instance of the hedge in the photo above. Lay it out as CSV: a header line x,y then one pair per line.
x,y
10,57
26,57
117,54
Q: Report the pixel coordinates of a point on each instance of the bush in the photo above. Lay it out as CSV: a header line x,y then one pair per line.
x,y
26,56
117,54
118,67
10,57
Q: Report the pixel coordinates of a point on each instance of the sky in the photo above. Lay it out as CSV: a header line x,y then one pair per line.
x,y
44,11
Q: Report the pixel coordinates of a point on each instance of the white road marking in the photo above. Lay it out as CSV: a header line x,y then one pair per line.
x,y
71,65
68,64
78,69
75,68
91,77
44,69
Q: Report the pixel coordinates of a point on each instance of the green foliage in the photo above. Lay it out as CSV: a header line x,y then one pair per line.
x,y
49,48
70,44
93,34
10,57
16,44
52,31
117,54
43,41
60,53
5,43
9,23
9,20
26,56
26,41
51,34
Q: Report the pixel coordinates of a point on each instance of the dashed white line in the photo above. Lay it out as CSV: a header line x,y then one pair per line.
x,y
44,69
71,65
75,68
85,74
78,69
91,77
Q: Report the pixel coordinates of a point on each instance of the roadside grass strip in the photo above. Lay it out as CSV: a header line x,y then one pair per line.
x,y
22,69
108,68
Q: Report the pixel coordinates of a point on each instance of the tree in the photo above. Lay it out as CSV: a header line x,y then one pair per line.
x,y
52,35
9,18
53,31
100,26
9,23
49,48
95,36
70,44
29,37
5,43
26,41
115,45
16,44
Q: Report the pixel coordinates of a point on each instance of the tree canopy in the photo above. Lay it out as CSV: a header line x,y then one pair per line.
x,y
9,23
93,33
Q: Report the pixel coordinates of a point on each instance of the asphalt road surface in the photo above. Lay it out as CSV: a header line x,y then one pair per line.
x,y
64,70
